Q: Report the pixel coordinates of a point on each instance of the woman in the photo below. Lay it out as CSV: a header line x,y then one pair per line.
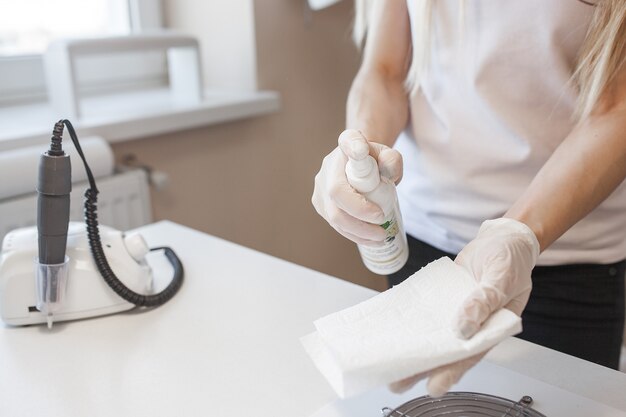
x,y
513,134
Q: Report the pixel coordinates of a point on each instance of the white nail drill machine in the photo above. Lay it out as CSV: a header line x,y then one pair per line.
x,y
62,270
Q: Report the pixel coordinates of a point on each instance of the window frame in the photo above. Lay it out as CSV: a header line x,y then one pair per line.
x,y
22,78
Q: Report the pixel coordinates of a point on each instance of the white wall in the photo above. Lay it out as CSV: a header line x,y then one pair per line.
x,y
225,29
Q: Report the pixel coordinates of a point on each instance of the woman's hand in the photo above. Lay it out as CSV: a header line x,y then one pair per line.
x,y
500,259
347,211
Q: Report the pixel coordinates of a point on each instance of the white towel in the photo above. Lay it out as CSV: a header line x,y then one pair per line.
x,y
401,332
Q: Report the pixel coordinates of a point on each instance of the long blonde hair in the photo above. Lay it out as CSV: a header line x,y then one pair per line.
x,y
602,55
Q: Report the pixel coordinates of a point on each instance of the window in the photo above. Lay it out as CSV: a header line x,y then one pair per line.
x,y
128,94
28,26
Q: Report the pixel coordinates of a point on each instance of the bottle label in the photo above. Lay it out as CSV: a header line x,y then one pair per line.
x,y
392,254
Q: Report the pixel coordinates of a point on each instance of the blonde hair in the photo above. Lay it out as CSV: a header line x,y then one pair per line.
x,y
601,56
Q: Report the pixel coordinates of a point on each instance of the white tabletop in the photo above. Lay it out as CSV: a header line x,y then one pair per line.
x,y
227,344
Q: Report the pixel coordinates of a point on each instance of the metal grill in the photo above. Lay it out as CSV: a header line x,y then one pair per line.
x,y
464,404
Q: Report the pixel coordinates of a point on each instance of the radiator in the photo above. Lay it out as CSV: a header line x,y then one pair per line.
x,y
123,203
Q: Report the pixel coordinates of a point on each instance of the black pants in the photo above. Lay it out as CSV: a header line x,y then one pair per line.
x,y
575,309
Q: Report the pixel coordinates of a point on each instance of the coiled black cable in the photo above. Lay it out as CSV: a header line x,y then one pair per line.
x,y
95,244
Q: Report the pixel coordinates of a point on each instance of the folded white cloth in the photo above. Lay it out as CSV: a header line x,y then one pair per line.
x,y
401,332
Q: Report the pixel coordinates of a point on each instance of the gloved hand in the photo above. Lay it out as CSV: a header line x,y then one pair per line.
x,y
501,259
347,211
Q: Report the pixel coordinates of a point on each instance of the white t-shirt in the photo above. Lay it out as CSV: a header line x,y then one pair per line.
x,y
494,105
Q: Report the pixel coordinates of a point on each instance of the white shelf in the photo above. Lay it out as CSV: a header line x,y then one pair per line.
x,y
132,115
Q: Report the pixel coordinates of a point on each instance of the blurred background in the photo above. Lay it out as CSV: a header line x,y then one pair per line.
x,y
251,181
245,178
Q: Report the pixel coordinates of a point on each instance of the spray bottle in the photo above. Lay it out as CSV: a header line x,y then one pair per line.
x,y
363,176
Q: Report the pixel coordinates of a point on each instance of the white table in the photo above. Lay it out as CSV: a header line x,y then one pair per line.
x,y
226,345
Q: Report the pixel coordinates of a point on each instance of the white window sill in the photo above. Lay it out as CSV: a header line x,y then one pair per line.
x,y
121,117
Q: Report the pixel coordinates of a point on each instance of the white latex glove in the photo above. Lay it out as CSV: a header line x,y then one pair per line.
x,y
347,211
501,259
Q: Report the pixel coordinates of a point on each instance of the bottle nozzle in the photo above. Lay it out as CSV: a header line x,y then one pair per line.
x,y
363,174
362,167
360,149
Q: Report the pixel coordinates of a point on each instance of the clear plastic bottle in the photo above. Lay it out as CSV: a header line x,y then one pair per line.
x,y
364,177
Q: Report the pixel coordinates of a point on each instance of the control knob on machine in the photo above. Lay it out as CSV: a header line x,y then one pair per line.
x,y
136,246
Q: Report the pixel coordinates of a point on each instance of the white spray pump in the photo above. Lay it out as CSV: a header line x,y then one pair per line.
x,y
363,176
